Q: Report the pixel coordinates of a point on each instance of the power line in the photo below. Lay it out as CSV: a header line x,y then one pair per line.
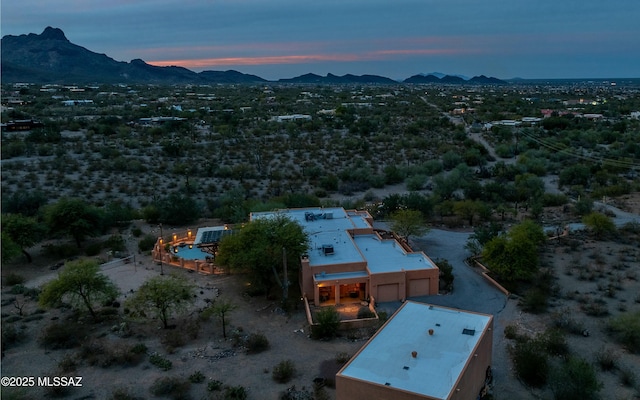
x,y
554,146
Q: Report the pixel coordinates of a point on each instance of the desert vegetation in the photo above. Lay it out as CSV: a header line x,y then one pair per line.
x,y
98,178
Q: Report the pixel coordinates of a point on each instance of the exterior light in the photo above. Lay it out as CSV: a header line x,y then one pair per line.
x,y
175,237
189,233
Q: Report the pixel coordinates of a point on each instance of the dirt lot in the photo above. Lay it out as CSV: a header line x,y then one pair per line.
x,y
209,352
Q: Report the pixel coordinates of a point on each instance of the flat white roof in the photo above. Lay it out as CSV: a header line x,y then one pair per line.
x,y
386,359
325,226
388,256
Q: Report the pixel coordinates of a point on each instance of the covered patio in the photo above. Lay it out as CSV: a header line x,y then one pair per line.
x,y
341,288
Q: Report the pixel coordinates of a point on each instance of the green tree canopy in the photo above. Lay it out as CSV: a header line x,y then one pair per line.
x,y
259,249
82,284
514,256
9,248
74,217
599,224
162,295
408,223
23,231
177,208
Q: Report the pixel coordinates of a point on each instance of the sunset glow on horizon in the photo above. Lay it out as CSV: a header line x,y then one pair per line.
x,y
285,38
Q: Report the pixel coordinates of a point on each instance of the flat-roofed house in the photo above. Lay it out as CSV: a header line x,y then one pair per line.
x,y
422,352
348,260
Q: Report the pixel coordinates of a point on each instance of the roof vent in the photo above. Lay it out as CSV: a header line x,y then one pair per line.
x,y
327,249
469,332
387,384
405,368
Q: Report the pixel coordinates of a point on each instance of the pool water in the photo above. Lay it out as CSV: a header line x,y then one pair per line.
x,y
190,254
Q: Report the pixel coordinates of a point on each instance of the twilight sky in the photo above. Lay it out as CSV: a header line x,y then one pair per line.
x,y
285,38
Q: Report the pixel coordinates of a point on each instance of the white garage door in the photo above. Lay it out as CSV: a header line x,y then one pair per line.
x,y
388,292
418,287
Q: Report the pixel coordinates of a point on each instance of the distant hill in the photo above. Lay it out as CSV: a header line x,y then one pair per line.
x,y
453,80
335,79
51,58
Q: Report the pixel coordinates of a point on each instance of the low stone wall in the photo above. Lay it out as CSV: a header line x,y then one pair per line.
x,y
485,274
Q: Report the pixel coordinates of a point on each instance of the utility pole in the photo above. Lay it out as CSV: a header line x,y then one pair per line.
x,y
285,282
161,249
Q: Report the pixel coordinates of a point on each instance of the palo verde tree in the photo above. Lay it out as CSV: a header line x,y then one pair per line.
x,y
74,217
23,231
263,248
221,309
408,223
163,296
80,283
514,256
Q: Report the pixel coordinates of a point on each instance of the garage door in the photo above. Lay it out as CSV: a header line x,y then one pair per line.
x,y
418,287
388,292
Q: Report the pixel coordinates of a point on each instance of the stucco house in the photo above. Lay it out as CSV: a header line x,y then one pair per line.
x,y
348,260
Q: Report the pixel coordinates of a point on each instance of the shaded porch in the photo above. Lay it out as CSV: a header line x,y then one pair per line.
x,y
341,288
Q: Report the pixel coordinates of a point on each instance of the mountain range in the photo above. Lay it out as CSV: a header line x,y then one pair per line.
x,y
51,58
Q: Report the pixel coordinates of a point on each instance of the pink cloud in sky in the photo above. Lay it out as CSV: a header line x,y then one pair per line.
x,y
261,53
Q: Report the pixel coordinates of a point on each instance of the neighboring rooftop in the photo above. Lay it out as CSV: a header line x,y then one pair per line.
x,y
387,360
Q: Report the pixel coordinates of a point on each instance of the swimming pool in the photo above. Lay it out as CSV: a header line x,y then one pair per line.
x,y
189,254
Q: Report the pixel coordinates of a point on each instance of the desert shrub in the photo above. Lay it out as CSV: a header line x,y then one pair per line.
x,y
627,377
292,393
531,364
63,335
173,339
69,363
284,371
10,334
625,328
563,320
54,392
446,274
173,387
136,232
197,377
328,323
574,379
32,293
555,342
342,357
606,359
554,200
93,249
160,362
147,243
511,332
106,354
115,243
257,343
123,394
214,385
139,348
235,393
65,250
13,279
365,312
534,300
